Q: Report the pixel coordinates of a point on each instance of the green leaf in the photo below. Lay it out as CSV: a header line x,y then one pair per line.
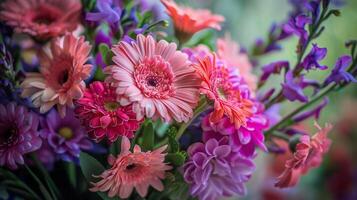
x,y
177,158
114,148
99,75
71,173
43,189
103,49
148,136
90,166
13,180
173,143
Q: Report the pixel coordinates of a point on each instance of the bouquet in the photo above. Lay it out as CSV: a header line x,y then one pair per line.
x,y
110,99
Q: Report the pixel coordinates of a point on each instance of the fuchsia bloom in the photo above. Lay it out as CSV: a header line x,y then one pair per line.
x,y
18,134
243,140
213,170
188,21
103,116
42,19
218,86
61,77
156,78
130,170
229,52
308,154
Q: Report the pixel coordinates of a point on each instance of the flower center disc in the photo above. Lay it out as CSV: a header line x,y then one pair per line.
x,y
66,132
7,135
111,106
155,78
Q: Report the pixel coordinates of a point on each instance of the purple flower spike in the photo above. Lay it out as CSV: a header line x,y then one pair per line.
x,y
64,136
315,112
273,68
108,10
214,171
339,74
293,87
296,26
311,61
18,134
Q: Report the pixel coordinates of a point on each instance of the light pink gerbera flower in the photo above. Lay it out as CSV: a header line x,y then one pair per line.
x,y
308,154
43,19
229,51
188,21
156,78
61,77
102,115
130,170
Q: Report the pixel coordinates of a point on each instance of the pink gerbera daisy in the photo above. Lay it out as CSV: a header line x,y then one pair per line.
x,y
308,154
130,170
188,21
218,86
61,76
229,52
43,19
102,115
156,78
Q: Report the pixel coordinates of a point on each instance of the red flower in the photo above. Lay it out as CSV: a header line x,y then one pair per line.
x,y
42,19
308,154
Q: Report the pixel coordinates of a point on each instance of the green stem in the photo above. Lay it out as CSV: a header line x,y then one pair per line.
x,y
45,193
297,111
50,183
280,135
197,112
297,70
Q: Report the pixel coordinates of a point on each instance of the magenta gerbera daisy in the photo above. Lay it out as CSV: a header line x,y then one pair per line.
x,y
102,115
156,78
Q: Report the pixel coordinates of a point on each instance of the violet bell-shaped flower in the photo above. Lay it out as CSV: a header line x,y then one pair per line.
x,y
293,87
311,61
339,73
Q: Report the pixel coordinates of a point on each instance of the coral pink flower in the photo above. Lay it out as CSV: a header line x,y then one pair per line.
x,y
156,78
188,21
229,51
61,76
217,86
42,19
308,154
130,170
103,116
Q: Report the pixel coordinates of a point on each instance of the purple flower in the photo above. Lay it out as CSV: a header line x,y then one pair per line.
x,y
313,112
293,88
339,73
213,170
296,25
18,134
273,68
102,37
311,61
273,114
108,10
243,140
262,97
314,8
65,136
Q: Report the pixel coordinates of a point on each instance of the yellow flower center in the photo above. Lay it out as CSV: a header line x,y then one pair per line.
x,y
66,132
111,106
